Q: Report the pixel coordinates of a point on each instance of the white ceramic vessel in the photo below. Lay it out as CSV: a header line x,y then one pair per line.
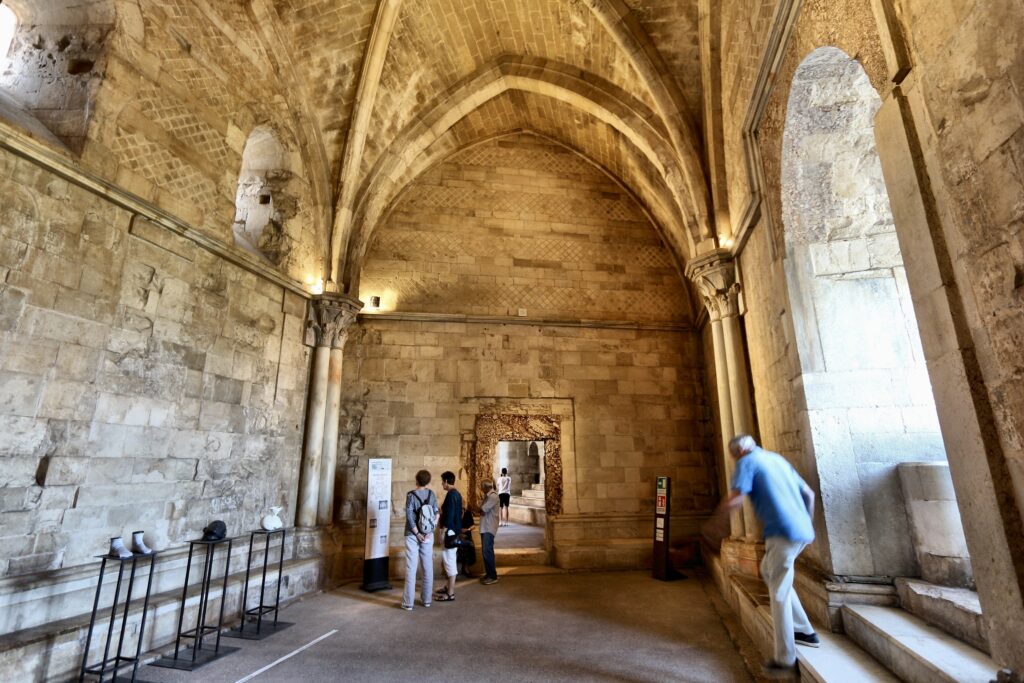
x,y
270,521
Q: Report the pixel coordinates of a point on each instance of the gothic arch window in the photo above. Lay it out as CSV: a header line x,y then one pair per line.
x,y
263,200
53,65
8,26
869,401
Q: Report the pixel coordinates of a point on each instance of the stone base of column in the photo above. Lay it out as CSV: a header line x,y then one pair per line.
x,y
326,544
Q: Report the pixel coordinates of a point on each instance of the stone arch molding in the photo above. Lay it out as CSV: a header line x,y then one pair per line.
x,y
419,146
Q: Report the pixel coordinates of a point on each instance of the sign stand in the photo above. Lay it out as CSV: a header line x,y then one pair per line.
x,y
378,526
662,569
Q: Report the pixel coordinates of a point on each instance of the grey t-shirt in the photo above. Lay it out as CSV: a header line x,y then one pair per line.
x,y
489,518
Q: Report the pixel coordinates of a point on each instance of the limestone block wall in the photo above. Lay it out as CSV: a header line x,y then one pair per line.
x,y
520,227
637,397
523,223
971,90
144,382
160,100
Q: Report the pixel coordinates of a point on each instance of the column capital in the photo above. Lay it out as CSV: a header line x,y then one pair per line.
x,y
330,318
714,275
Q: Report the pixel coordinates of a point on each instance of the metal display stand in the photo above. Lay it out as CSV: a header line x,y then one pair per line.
x,y
261,631
199,656
111,665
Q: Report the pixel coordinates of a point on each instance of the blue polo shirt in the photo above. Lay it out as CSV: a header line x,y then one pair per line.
x,y
774,487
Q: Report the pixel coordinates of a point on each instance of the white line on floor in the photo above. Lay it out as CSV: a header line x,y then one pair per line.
x,y
291,654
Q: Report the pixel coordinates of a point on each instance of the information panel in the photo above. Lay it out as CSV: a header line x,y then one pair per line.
x,y
378,525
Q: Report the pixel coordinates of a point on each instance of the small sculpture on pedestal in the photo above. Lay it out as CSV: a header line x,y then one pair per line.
x,y
270,521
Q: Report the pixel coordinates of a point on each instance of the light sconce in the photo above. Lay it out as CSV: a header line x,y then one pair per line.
x,y
315,286
374,302
725,241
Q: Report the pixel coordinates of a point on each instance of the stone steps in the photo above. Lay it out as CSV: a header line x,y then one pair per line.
x,y
913,650
957,611
534,493
520,557
840,660
527,514
527,502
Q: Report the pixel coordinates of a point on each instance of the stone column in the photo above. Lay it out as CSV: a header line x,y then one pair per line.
x,y
329,313
714,275
329,461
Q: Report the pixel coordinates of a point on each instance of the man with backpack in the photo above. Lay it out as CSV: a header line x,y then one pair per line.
x,y
451,527
420,521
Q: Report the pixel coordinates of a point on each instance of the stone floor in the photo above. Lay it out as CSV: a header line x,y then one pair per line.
x,y
621,626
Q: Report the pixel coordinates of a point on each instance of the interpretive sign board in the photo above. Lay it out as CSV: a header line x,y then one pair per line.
x,y
378,525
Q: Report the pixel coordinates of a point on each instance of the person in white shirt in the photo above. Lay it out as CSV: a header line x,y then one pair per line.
x,y
504,495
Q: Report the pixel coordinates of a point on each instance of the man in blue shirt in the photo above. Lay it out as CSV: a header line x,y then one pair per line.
x,y
450,526
785,505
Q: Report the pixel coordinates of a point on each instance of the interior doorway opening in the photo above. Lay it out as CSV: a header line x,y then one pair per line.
x,y
870,421
523,463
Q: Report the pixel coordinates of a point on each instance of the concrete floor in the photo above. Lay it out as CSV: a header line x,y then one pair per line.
x,y
615,626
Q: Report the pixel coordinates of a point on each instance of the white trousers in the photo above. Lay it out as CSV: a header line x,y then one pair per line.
x,y
418,555
788,615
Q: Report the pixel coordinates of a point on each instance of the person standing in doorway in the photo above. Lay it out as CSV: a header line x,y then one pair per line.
x,y
504,495
785,505
489,522
420,520
451,527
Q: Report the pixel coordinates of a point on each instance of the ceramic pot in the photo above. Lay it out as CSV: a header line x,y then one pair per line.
x,y
270,521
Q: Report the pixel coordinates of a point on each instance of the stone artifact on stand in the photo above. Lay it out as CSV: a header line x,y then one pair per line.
x,y
271,521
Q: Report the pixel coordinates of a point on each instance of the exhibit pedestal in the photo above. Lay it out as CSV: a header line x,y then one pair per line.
x,y
261,630
111,665
195,655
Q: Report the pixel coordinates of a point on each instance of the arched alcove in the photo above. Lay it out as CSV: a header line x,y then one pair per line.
x,y
52,65
869,402
8,27
262,201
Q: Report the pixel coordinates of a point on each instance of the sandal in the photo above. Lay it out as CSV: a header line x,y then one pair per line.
x,y
444,597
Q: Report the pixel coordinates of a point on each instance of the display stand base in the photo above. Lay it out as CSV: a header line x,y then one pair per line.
x,y
375,575
184,661
671,575
266,630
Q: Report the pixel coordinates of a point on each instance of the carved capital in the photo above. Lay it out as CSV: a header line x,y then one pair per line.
x,y
330,318
714,276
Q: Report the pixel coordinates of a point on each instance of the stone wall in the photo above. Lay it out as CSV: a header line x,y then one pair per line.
x,y
152,102
971,86
144,382
963,260
523,223
637,397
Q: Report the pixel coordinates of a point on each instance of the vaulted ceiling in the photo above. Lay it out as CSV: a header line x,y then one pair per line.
x,y
395,87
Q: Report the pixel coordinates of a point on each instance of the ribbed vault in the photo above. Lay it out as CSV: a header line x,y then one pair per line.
x,y
593,77
603,123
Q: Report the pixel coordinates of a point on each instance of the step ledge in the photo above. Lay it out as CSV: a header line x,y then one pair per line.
x,y
926,645
840,660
